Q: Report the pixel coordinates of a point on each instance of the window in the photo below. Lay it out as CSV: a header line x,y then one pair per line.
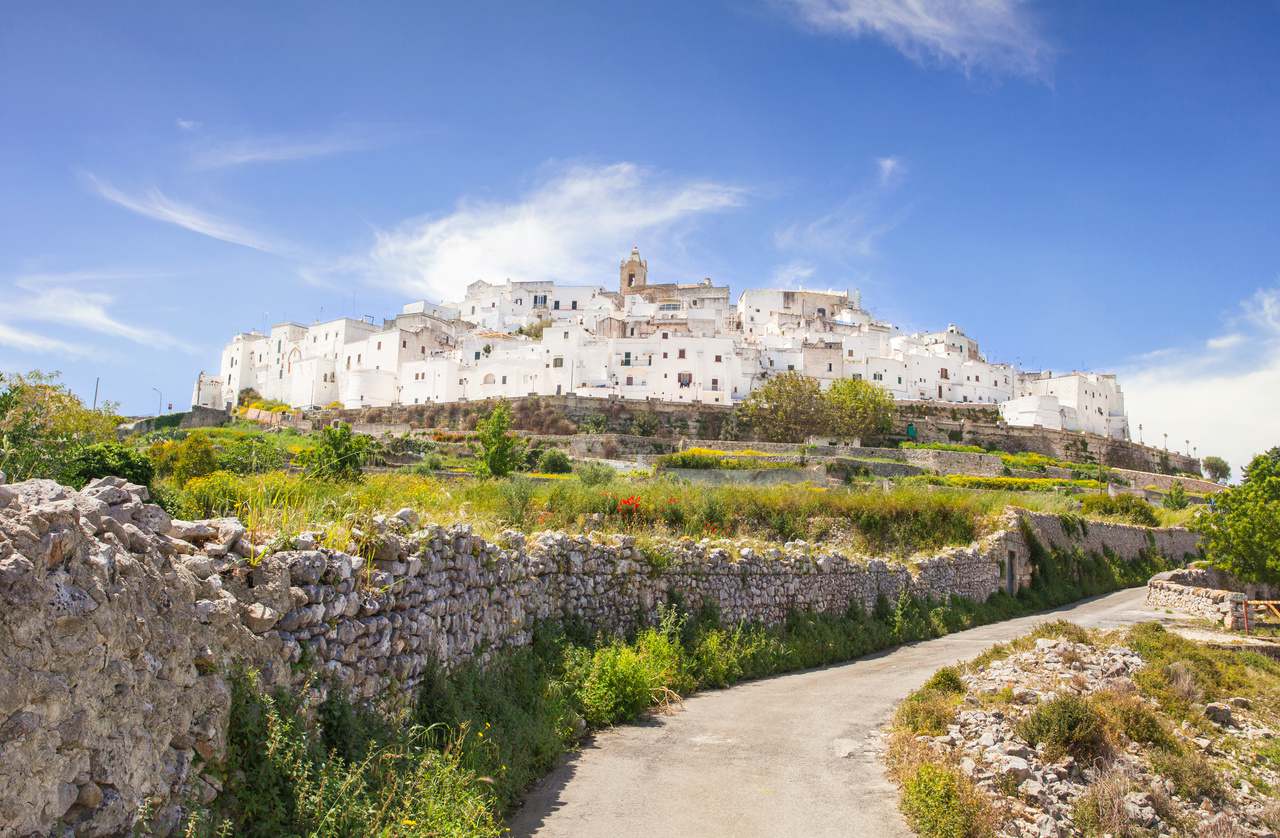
x,y
477,356
631,280
404,344
718,359
876,376
566,335
899,379
357,357
630,381
519,301
379,344
822,312
557,362
828,367
555,305
715,384
422,350
626,359
664,356
680,354
685,379
665,335
278,346
791,367
504,379
539,300
574,305
944,374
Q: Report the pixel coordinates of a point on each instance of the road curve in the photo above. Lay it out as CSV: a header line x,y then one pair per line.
x,y
793,755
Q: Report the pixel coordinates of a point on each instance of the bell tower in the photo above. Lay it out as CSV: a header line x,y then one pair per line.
x,y
634,273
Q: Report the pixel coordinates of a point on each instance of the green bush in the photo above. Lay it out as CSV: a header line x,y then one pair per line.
x,y
498,451
1242,526
106,459
945,680
1192,775
940,802
595,474
616,683
517,499
1175,498
1130,508
339,454
554,461
927,712
250,455
944,446
1067,724
186,459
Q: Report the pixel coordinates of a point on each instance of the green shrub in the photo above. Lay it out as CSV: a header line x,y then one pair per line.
x,y
1067,724
251,455
517,499
1130,508
1129,714
1175,498
945,680
106,459
192,457
939,802
616,683
554,461
1192,775
944,446
927,712
595,474
339,454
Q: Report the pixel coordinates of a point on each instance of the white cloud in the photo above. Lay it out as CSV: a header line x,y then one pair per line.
x,y
891,169
792,274
25,341
1225,401
1230,341
277,149
851,230
563,229
996,35
187,124
88,310
155,205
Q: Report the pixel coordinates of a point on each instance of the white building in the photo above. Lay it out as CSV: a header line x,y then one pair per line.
x,y
672,341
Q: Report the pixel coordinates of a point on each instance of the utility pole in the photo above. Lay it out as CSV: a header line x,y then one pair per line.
x,y
159,401
96,381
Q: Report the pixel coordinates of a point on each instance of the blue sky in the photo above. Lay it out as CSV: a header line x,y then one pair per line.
x,y
1077,185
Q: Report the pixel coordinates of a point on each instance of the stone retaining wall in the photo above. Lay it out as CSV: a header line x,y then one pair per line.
x,y
1211,594
118,625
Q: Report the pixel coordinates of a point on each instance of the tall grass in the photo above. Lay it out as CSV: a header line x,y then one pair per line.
x,y
860,519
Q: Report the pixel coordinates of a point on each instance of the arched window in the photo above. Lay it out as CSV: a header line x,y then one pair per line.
x,y
489,379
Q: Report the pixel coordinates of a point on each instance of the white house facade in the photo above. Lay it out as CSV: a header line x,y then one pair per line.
x,y
672,341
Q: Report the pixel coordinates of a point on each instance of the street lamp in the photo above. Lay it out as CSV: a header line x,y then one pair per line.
x,y
159,401
1139,433
1166,441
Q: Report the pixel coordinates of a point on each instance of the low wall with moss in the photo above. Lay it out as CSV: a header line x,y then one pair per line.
x,y
121,624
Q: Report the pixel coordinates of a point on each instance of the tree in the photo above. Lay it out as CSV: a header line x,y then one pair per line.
x,y
43,425
1217,468
859,408
498,451
1241,528
787,408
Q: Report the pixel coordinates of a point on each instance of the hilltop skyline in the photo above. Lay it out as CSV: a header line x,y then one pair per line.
x,y
1085,187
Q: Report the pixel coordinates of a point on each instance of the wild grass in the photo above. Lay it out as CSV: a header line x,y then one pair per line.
x,y
900,521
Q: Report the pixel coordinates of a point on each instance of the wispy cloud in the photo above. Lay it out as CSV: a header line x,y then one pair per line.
x,y
25,341
282,148
187,124
154,204
87,310
792,274
1222,400
994,35
565,228
35,280
853,228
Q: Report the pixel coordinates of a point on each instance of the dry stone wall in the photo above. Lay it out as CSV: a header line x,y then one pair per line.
x,y
118,625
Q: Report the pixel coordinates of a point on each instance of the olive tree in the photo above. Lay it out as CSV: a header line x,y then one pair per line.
x,y
1216,468
787,407
859,408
